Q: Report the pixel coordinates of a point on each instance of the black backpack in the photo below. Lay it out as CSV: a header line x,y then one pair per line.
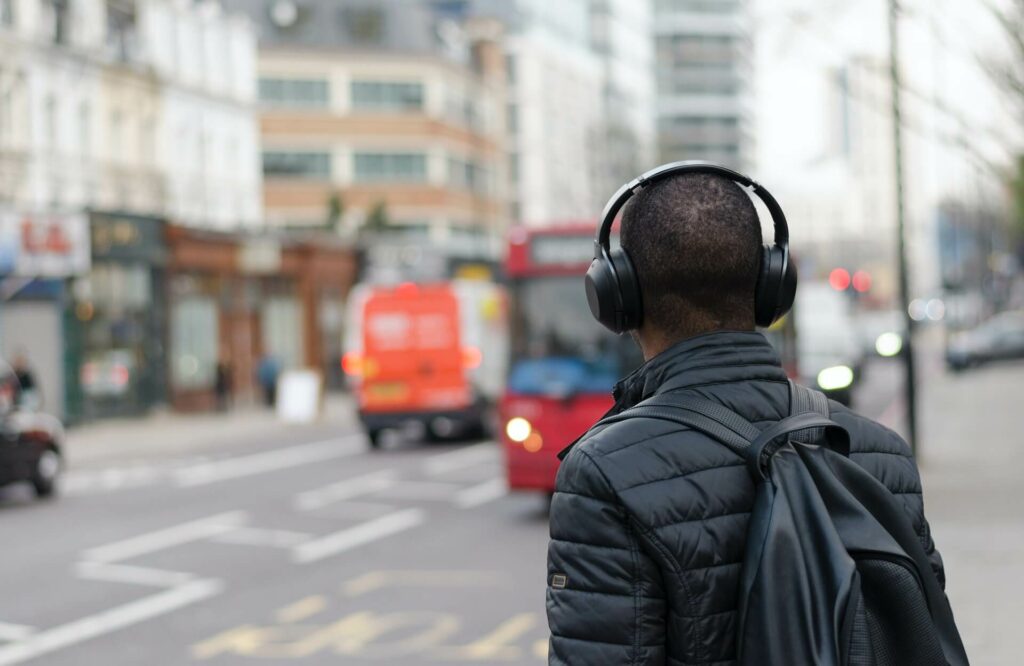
x,y
833,574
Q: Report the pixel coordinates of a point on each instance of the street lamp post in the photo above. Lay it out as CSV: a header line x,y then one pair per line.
x,y
901,239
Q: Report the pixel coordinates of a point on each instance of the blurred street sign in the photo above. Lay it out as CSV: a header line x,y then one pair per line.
x,y
259,256
44,245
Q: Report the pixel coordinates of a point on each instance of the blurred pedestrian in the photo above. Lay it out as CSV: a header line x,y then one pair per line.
x,y
647,562
267,374
222,383
28,387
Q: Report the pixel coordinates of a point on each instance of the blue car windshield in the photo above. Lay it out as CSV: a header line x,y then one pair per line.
x,y
557,347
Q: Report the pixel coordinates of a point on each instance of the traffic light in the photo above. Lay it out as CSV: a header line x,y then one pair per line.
x,y
861,282
839,279
858,284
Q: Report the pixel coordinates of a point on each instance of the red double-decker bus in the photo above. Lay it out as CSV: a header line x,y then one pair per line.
x,y
563,363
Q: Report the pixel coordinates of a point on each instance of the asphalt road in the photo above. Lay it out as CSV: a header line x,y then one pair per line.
x,y
269,550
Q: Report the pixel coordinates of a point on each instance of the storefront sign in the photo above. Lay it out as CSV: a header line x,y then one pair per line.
x,y
128,238
44,244
259,256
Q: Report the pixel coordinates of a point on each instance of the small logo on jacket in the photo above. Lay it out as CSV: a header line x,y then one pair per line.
x,y
559,581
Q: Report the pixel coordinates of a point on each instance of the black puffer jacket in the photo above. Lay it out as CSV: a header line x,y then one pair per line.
x,y
649,519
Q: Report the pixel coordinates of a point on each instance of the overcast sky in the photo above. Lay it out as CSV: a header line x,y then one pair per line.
x,y
798,40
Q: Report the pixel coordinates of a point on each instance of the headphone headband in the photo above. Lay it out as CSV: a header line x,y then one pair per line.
x,y
635,186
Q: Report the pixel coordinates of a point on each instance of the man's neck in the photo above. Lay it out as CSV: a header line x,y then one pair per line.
x,y
654,341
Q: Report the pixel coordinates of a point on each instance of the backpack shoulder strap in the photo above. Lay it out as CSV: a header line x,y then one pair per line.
x,y
803,400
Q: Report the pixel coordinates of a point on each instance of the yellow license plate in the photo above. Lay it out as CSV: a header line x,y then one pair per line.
x,y
390,390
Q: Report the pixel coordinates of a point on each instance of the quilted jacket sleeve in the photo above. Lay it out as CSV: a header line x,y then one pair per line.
x,y
887,457
605,600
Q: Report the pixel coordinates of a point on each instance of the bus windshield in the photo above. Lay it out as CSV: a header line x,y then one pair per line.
x,y
557,347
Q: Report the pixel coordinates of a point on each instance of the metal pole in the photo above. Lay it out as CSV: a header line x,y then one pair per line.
x,y
901,240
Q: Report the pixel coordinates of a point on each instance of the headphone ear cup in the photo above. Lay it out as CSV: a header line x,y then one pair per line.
x,y
766,295
629,290
787,291
601,297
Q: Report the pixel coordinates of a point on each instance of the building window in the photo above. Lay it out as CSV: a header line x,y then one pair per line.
x,y
84,133
391,167
468,175
50,120
60,21
311,93
6,112
698,6
280,164
116,135
378,95
365,25
697,50
194,336
7,12
121,33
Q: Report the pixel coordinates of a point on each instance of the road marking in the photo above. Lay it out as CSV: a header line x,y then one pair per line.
x,y
480,494
268,461
454,460
302,609
14,632
195,530
345,489
497,644
108,621
254,536
421,490
361,634
339,542
124,573
378,580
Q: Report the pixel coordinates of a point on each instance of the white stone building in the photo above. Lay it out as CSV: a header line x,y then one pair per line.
x,y
620,33
135,106
704,78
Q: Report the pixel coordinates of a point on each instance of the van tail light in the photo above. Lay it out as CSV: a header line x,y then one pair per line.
x,y
352,364
471,357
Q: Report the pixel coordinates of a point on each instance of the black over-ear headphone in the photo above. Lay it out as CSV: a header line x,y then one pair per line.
x,y
613,289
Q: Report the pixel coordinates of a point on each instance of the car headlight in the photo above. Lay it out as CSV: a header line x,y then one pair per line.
x,y
889,344
835,378
518,429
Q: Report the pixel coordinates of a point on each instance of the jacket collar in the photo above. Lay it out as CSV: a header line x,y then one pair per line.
x,y
717,357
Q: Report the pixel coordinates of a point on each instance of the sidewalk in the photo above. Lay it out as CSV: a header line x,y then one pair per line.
x,y
972,462
166,433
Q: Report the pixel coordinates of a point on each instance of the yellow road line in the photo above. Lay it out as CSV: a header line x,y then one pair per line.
x,y
302,609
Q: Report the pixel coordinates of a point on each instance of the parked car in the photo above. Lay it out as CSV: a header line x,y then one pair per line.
x,y
30,441
999,338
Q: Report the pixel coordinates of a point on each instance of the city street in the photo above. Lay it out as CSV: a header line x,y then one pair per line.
x,y
306,551
262,544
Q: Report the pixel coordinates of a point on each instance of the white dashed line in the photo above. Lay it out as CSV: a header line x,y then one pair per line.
x,y
166,538
253,536
477,495
107,621
14,632
345,489
269,461
461,458
352,537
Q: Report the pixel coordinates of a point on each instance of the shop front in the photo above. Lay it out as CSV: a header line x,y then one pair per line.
x,y
243,307
118,320
38,253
